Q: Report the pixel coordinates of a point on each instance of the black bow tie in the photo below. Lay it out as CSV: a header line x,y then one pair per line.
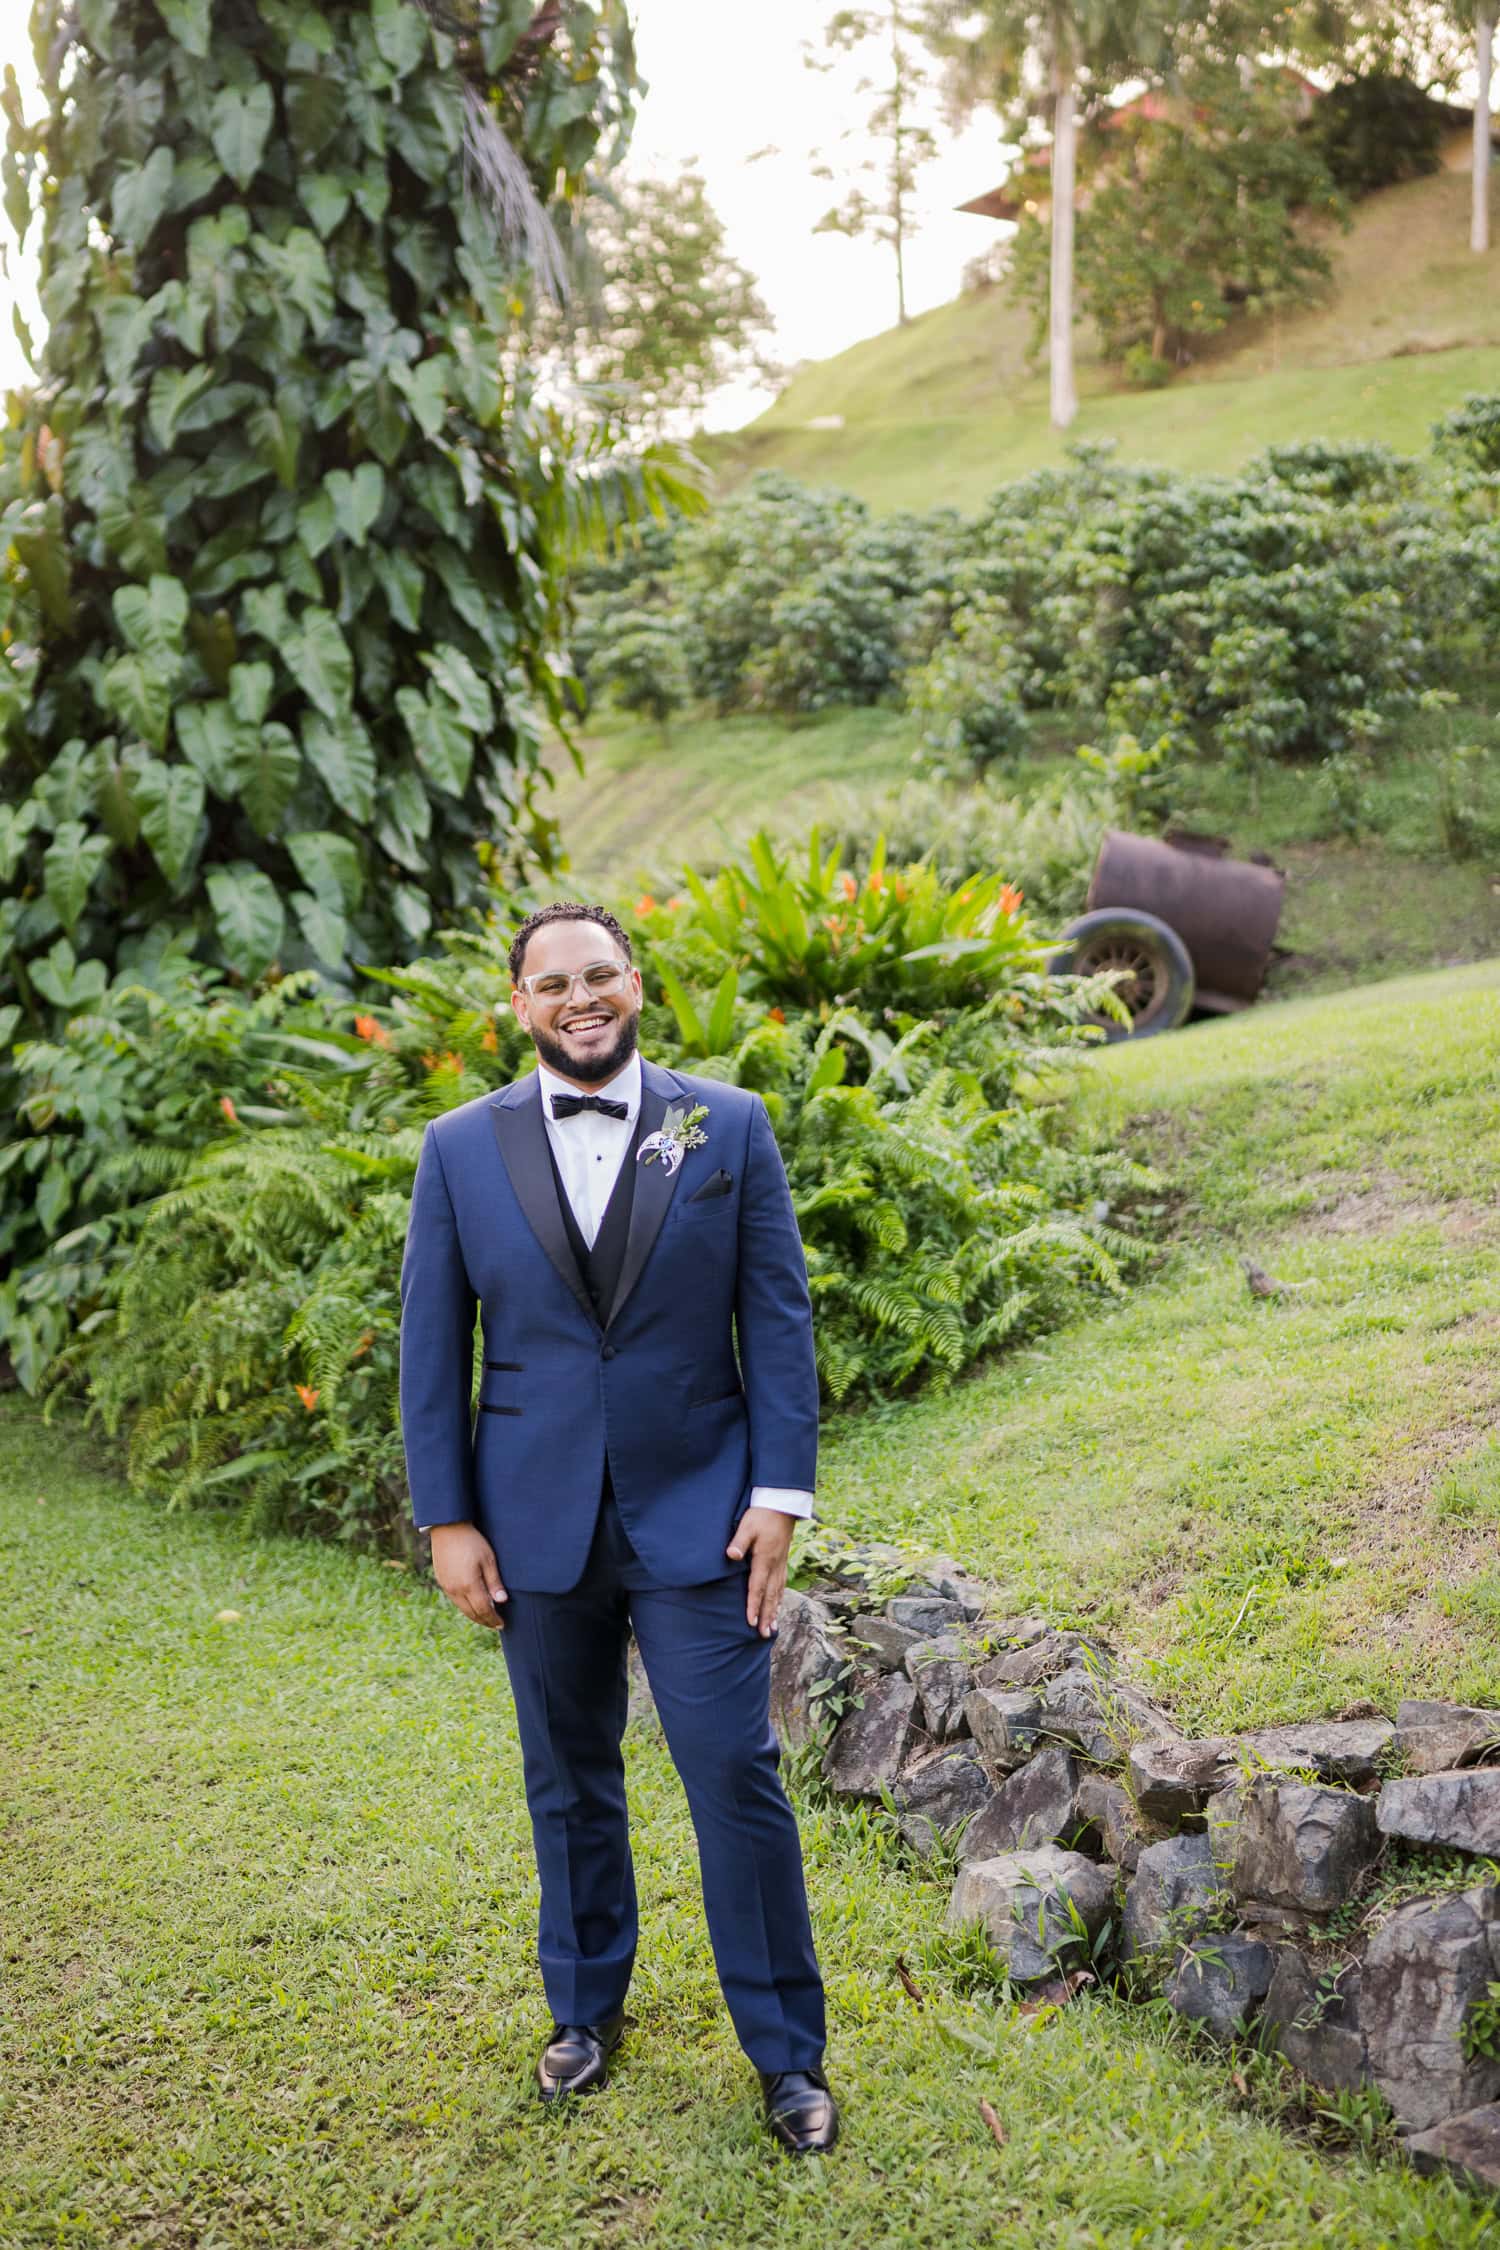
x,y
569,1105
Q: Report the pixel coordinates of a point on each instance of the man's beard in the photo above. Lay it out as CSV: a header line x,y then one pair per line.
x,y
592,1070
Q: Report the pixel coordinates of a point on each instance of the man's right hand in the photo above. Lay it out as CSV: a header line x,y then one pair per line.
x,y
463,1563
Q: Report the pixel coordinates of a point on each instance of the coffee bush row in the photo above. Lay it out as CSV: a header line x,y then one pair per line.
x,y
1288,611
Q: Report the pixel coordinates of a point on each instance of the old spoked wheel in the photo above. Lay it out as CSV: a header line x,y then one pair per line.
x,y
1156,971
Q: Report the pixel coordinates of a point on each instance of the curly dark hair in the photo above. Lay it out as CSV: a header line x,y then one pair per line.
x,y
563,910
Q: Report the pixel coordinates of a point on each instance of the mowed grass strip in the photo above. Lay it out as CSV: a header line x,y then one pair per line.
x,y
266,1935
1279,1507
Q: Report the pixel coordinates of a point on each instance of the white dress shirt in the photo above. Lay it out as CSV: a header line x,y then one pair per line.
x,y
590,1149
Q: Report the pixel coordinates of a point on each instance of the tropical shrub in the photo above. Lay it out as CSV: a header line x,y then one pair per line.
x,y
1377,129
240,1327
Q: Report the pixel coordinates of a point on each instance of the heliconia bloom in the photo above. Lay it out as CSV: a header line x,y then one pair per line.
x,y
777,1015
674,903
876,880
488,1040
851,888
363,1345
374,1032
644,906
308,1395
229,1109
1010,898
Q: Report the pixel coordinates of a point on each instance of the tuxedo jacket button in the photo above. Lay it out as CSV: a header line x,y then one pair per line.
x,y
608,1352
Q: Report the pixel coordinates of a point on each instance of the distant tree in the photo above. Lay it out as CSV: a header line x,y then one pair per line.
x,y
1034,61
1193,216
1438,42
882,210
1376,129
662,313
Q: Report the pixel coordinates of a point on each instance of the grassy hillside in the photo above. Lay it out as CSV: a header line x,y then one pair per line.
x,y
1280,1506
946,409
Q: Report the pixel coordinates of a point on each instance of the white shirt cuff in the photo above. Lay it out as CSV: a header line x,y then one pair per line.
x,y
789,1502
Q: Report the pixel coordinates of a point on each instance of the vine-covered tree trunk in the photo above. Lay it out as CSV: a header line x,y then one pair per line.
x,y
282,593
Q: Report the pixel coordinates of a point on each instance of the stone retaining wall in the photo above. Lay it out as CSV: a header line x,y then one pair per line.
x,y
1074,1805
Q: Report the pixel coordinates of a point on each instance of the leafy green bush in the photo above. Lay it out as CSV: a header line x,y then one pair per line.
x,y
1471,433
969,694
637,661
1377,129
241,1317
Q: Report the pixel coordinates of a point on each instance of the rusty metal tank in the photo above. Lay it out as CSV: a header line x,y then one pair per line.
x,y
1226,911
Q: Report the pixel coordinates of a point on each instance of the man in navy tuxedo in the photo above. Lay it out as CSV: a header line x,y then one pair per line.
x,y
646,1438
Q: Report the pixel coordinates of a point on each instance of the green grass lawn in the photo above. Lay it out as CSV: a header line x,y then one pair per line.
x,y
267,1982
948,408
646,803
1278,1507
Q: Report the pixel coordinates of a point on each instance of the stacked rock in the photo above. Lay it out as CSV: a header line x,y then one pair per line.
x,y
1075,1808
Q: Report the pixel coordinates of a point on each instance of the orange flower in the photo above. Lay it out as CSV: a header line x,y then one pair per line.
x,y
1010,898
308,1395
363,1345
674,903
898,886
851,888
229,1109
876,879
488,1040
777,1015
374,1032
446,1061
644,905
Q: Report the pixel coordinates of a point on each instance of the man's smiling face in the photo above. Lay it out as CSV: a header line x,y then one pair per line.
x,y
584,1034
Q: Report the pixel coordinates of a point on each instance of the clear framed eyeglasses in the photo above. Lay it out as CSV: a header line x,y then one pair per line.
x,y
600,978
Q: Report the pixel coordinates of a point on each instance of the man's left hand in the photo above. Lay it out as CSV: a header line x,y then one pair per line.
x,y
765,1535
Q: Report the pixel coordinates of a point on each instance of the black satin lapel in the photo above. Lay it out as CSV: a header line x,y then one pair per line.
x,y
522,1138
654,1186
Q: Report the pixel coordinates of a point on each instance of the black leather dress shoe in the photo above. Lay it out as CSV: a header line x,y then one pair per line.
x,y
800,2112
575,2059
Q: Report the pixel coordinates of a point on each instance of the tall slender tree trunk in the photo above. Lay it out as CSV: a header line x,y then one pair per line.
x,y
1484,27
1064,175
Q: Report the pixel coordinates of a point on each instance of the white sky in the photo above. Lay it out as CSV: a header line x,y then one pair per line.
x,y
726,80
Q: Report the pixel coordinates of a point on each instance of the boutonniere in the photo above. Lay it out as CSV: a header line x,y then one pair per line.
x,y
681,1129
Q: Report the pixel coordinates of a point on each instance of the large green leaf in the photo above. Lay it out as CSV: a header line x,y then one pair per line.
x,y
154,616
138,690
400,578
250,687
317,656
74,858
124,328
300,270
140,197
171,805
208,736
188,22
323,926
268,766
173,390
400,34
248,916
356,499
341,754
459,681
326,196
443,744
16,824
329,866
277,438
239,126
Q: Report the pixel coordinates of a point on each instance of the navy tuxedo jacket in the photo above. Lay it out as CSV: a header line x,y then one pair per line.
x,y
649,1384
